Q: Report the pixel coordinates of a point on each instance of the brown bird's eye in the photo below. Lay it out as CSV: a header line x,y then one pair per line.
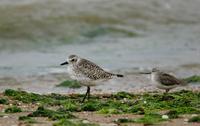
x,y
72,60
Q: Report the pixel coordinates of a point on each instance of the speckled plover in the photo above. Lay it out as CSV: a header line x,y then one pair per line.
x,y
165,81
87,72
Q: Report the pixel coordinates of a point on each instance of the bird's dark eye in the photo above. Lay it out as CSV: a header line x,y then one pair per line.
x,y
73,60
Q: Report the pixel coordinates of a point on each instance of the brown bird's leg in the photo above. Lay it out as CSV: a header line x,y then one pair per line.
x,y
166,91
86,94
165,96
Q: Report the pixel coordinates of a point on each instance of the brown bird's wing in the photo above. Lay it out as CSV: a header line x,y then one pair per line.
x,y
92,71
168,80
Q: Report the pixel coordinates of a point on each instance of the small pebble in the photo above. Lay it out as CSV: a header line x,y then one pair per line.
x,y
5,116
85,112
125,99
165,117
193,115
37,103
108,124
85,121
186,120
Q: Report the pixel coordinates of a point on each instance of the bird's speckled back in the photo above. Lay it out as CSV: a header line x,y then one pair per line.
x,y
91,70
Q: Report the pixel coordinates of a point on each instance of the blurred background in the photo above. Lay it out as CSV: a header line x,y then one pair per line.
x,y
124,36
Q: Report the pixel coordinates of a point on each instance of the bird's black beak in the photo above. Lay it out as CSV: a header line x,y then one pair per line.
x,y
65,63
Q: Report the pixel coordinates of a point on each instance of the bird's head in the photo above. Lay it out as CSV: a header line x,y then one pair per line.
x,y
72,59
155,70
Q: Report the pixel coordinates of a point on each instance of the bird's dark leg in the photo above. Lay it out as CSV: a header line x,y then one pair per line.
x,y
88,90
84,97
164,97
86,94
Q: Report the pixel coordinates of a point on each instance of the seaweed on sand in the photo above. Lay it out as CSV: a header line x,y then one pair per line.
x,y
70,84
51,114
13,109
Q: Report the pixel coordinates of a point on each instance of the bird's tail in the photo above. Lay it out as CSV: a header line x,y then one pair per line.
x,y
119,75
184,83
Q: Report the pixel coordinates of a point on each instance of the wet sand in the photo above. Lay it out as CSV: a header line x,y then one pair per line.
x,y
46,84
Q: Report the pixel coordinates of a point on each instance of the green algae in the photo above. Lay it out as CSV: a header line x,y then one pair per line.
x,y
24,96
35,98
51,114
3,101
137,110
27,119
122,95
125,120
177,103
183,102
172,114
13,109
65,122
148,119
114,107
91,106
109,111
69,84
194,119
192,79
71,107
187,110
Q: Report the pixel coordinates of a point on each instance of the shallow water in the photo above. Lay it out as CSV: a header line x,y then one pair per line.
x,y
123,36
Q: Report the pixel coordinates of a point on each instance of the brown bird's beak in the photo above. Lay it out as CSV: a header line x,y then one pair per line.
x,y
65,63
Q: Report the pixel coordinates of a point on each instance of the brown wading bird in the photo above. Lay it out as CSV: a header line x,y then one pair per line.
x,y
165,81
87,72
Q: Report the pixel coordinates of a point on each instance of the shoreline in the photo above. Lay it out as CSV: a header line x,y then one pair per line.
x,y
45,84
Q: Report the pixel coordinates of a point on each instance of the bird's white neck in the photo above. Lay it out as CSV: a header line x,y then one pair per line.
x,y
154,76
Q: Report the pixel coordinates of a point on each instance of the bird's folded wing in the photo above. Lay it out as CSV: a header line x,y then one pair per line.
x,y
169,80
91,70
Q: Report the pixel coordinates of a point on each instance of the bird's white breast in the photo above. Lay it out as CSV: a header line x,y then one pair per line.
x,y
76,75
154,78
71,72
